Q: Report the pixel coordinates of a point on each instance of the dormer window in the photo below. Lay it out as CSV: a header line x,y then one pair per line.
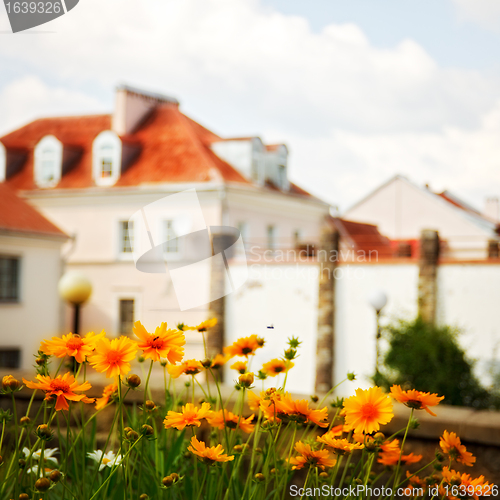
x,y
48,162
107,158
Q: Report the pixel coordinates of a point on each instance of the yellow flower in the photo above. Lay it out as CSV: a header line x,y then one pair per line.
x,y
245,346
223,418
113,356
189,416
72,345
219,360
276,366
239,366
107,393
367,410
416,399
311,458
188,367
208,455
63,387
204,325
161,344
299,411
451,445
339,446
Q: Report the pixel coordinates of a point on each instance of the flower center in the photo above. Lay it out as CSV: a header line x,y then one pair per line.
x,y
113,357
246,350
413,403
60,385
106,460
156,343
278,369
74,344
369,411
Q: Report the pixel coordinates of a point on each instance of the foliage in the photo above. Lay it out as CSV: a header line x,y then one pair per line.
x,y
429,358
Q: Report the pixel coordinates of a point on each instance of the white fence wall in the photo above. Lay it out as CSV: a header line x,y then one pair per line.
x,y
286,295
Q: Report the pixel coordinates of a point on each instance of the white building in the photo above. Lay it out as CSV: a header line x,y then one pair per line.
x,y
30,267
90,174
402,209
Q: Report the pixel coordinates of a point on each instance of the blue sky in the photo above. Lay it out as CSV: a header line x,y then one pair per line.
x,y
359,90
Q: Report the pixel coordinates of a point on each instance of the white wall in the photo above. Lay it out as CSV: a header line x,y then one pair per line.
x,y
37,315
469,298
285,296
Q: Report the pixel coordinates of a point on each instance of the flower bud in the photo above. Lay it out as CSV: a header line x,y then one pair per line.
x,y
323,475
260,341
44,432
150,405
132,436
9,383
24,496
40,361
144,496
22,463
290,354
167,481
206,363
261,375
238,448
55,476
174,476
351,376
133,381
259,477
273,471
25,421
258,450
127,429
314,398
163,362
42,484
141,359
147,430
246,380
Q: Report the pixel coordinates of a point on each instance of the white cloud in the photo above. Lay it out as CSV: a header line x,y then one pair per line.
x,y
486,13
352,113
27,98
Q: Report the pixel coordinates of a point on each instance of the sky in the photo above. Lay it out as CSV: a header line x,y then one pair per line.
x,y
359,90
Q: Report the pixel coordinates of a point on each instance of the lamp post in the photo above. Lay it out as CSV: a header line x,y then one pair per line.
x,y
75,289
377,299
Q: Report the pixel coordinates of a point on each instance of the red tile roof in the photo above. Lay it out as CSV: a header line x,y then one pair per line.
x,y
170,148
18,216
364,237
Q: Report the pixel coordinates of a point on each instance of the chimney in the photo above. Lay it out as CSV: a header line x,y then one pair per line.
x,y
492,208
133,105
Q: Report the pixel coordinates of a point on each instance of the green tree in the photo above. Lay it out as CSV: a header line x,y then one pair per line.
x,y
429,358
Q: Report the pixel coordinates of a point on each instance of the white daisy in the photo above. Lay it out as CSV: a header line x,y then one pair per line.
x,y
47,454
108,459
34,470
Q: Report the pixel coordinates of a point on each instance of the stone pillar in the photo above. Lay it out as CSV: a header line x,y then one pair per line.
x,y
427,278
325,347
218,273
493,249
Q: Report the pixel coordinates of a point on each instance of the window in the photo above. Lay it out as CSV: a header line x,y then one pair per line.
x,y
10,357
171,244
48,162
107,158
126,236
271,237
9,279
126,318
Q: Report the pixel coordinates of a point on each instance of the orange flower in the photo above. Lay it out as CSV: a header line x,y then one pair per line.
x,y
63,387
299,411
367,410
276,366
451,445
472,488
312,458
219,360
416,399
389,458
230,420
245,346
189,416
339,446
72,345
107,393
114,356
208,455
239,366
204,325
161,344
188,367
